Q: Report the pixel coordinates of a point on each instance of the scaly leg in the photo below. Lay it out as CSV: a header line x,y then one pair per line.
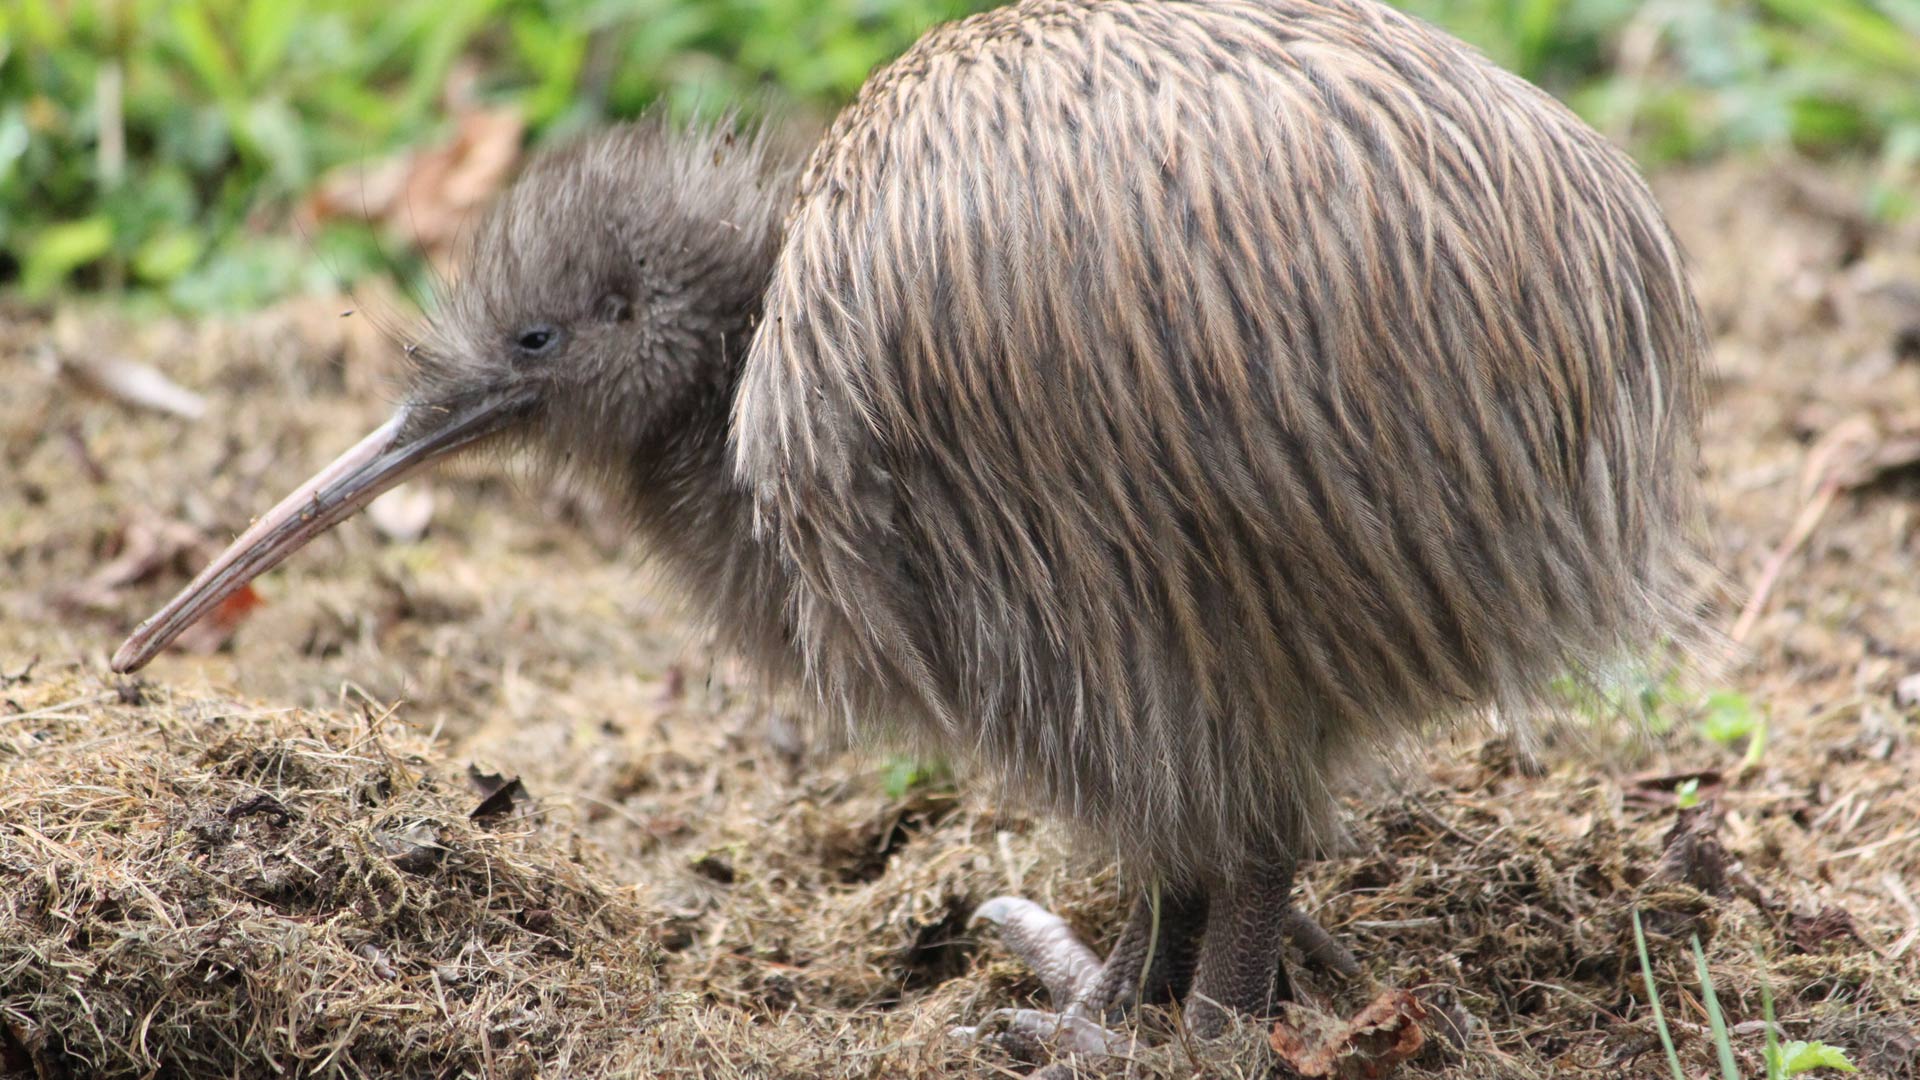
x,y
1243,964
1153,961
1239,965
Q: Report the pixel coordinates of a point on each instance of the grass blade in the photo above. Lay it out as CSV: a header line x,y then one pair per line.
x,y
1722,1042
1776,1064
1653,998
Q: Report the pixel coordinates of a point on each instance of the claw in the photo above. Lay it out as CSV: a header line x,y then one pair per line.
x,y
998,910
1066,1033
1045,942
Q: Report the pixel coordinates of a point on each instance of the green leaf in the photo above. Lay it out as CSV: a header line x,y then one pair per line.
x,y
58,250
166,255
200,46
274,133
1794,1058
265,31
1687,795
904,774
1729,718
1772,1055
1865,34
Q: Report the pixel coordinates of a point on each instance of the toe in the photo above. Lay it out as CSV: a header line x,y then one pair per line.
x,y
1063,1033
1045,942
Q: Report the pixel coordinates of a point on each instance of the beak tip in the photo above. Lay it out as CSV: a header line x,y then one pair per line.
x,y
127,658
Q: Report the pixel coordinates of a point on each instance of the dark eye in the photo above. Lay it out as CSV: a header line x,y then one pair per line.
x,y
537,339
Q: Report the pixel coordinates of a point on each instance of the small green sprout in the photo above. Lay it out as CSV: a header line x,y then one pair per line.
x,y
1791,1059
1687,795
1794,1058
1730,718
904,774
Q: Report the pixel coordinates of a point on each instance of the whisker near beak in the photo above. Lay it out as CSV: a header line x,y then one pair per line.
x,y
332,495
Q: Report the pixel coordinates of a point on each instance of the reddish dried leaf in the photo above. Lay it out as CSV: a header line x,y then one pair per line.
x,y
1830,923
219,625
427,194
1366,1047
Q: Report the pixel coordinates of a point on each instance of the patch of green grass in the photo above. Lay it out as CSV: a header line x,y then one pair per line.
x,y
147,145
1783,1060
143,143
1685,79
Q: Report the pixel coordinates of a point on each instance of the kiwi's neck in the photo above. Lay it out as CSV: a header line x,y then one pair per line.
x,y
696,524
694,520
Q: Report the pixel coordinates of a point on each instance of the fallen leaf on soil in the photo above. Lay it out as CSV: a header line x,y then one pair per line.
x,y
1830,923
497,793
1693,854
1366,1047
426,194
415,848
134,384
265,805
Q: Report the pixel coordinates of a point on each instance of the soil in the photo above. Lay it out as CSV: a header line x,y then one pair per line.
x,y
743,902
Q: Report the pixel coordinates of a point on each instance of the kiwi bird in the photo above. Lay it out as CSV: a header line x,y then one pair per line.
x,y
1166,408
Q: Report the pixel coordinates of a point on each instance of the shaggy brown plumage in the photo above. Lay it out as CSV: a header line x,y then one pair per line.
x,y
1165,402
1162,406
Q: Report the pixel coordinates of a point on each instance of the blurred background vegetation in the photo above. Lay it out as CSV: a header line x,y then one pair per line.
x,y
170,151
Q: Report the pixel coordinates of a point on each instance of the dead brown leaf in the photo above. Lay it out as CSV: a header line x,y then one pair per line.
x,y
133,383
497,793
1812,931
1693,854
1366,1047
146,547
426,195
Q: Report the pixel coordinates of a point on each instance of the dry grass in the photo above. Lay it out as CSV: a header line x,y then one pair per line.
x,y
804,922
207,888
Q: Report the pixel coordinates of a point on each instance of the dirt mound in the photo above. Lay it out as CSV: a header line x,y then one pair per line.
x,y
205,888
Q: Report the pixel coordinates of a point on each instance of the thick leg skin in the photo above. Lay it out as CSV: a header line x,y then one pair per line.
x,y
1153,961
1242,956
1237,965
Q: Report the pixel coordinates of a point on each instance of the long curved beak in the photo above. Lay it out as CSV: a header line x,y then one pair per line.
x,y
388,455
